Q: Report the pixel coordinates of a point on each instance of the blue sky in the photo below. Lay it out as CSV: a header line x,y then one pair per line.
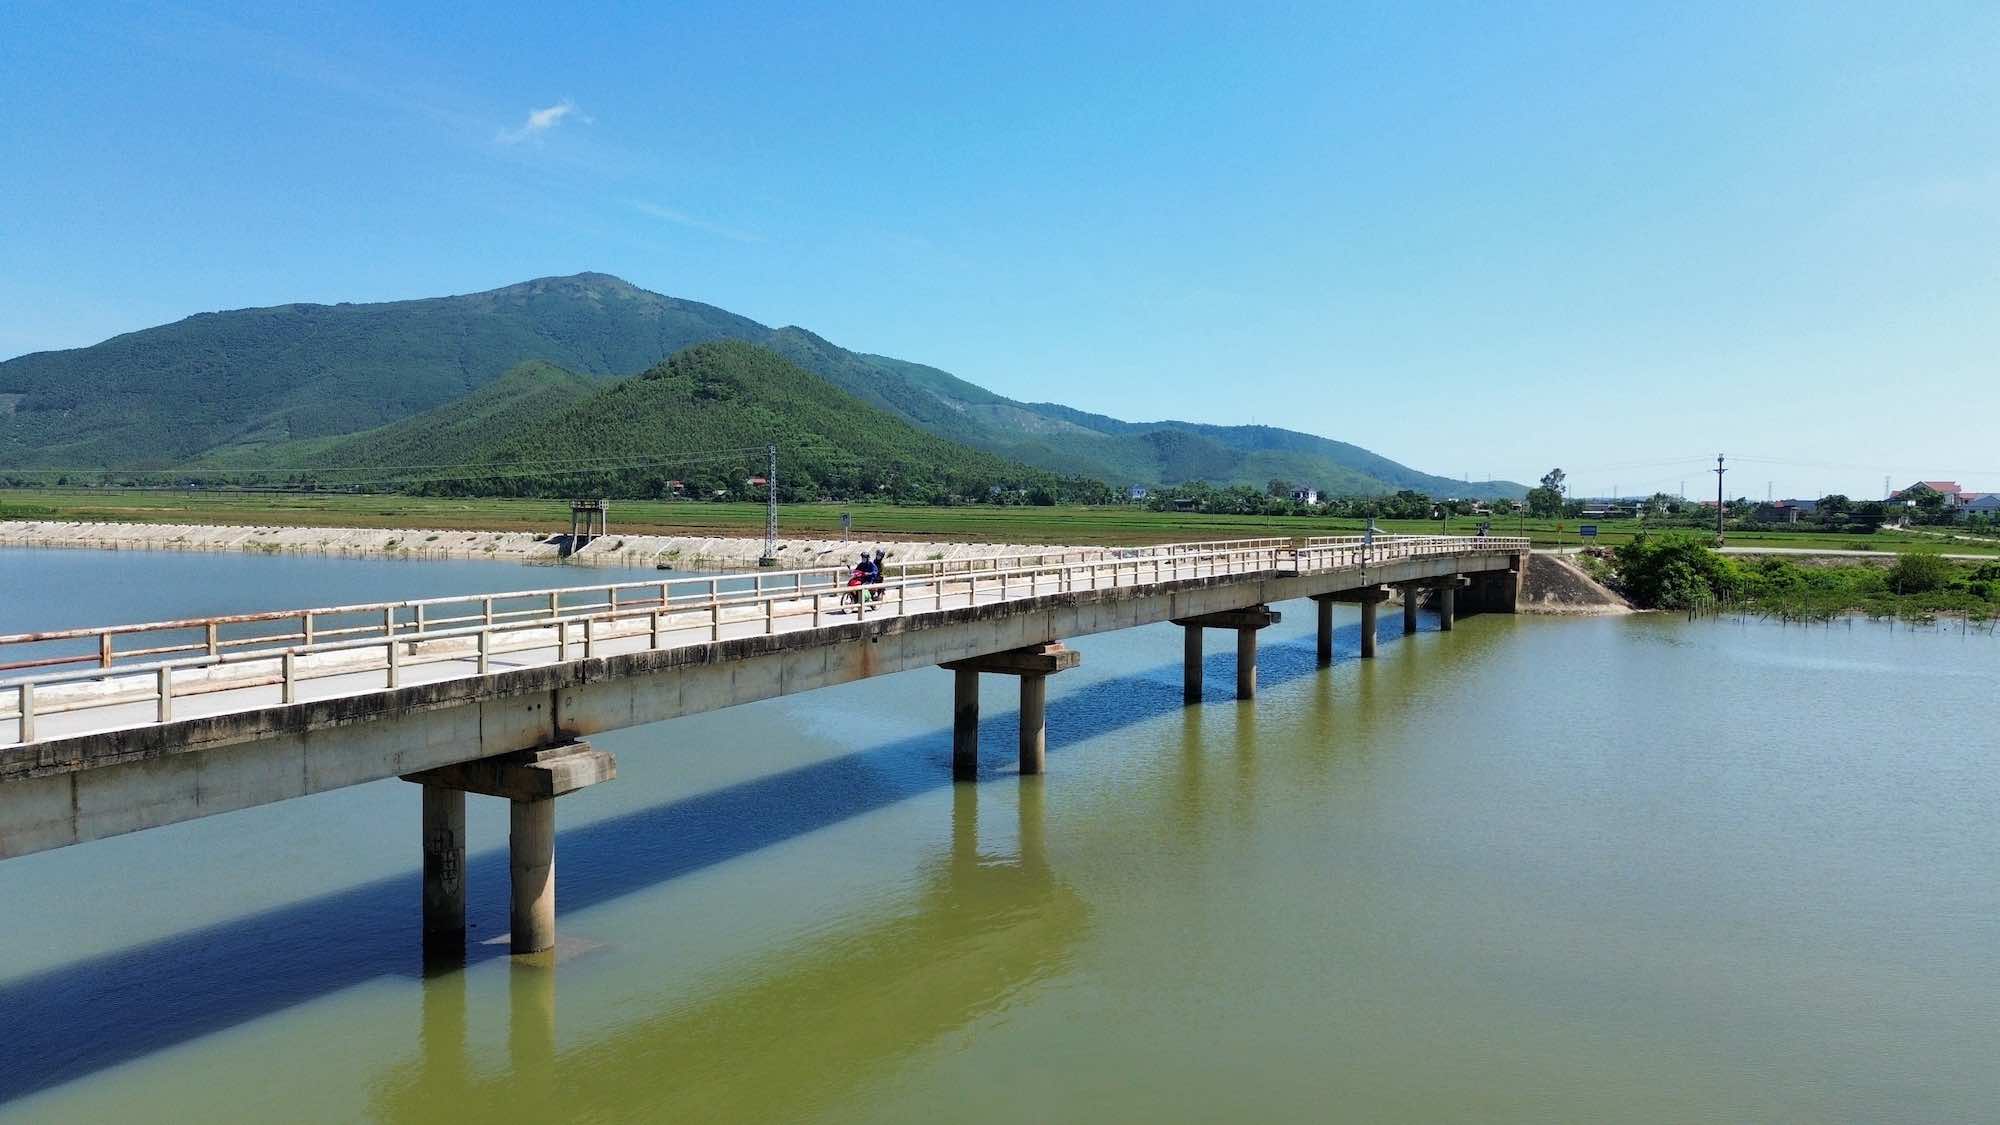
x,y
1480,239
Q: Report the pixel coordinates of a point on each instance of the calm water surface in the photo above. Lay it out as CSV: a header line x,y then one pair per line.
x,y
1533,870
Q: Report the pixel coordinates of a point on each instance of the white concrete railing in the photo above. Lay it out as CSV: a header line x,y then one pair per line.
x,y
214,636
296,647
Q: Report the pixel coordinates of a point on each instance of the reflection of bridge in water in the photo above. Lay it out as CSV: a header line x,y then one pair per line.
x,y
810,1026
124,728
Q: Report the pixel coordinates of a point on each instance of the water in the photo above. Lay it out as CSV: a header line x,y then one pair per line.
x,y
1534,870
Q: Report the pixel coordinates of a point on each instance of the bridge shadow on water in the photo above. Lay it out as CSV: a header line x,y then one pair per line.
x,y
96,1013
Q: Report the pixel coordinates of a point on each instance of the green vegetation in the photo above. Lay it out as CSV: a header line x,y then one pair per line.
x,y
1672,571
723,396
1064,523
1676,571
256,388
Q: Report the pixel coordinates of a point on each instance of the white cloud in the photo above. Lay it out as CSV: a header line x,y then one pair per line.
x,y
540,121
683,218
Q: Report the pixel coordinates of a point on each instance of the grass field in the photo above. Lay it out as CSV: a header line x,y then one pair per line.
x,y
1112,525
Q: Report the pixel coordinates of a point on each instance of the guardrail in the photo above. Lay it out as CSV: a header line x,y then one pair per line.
x,y
289,648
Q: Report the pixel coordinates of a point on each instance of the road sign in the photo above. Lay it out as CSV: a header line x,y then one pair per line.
x,y
846,525
1587,530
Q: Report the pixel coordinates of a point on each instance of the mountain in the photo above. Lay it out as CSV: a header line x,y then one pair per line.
x,y
451,434
544,429
229,387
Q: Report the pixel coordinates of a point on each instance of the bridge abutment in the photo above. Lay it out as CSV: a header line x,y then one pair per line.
x,y
530,781
1033,665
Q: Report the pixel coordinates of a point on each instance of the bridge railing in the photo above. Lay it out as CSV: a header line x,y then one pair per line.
x,y
215,636
392,645
290,648
219,635
1323,552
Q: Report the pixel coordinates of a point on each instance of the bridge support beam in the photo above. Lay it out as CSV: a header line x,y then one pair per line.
x,y
1246,622
1323,610
1033,665
530,781
1411,593
1447,604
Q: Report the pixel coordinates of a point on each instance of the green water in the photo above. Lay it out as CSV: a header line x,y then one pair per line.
x,y
1532,870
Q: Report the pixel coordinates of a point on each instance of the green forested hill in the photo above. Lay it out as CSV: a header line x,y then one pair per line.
x,y
447,435
241,387
703,418
165,395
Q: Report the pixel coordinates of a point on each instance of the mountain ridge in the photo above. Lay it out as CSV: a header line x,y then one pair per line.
x,y
223,384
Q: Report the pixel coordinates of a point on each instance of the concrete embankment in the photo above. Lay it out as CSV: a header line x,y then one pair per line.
x,y
675,551
1550,584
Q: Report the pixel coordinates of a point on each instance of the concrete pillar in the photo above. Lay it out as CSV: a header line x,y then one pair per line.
x,y
1246,663
1368,628
531,864
1034,723
1191,655
1447,605
444,871
1411,595
964,724
1324,607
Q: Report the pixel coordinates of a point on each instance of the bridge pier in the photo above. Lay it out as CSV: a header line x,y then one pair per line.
x,y
1447,603
531,875
1033,665
1190,663
1369,598
1246,622
1323,610
1411,593
444,870
531,781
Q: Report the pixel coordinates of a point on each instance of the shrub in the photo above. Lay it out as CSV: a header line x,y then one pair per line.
x,y
1673,571
1916,573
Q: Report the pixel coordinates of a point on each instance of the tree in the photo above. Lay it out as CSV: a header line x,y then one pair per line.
x,y
1282,489
1547,499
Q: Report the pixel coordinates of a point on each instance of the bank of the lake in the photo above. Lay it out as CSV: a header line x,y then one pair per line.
x,y
1112,525
1530,870
614,550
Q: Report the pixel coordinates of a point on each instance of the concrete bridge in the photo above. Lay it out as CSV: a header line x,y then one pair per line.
x,y
122,728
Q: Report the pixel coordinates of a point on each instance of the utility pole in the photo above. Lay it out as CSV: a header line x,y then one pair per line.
x,y
1719,509
770,510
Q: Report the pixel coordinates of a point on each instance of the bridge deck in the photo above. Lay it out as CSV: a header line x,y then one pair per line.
x,y
128,742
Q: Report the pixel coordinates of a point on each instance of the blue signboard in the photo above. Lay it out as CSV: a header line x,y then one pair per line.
x,y
1587,530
